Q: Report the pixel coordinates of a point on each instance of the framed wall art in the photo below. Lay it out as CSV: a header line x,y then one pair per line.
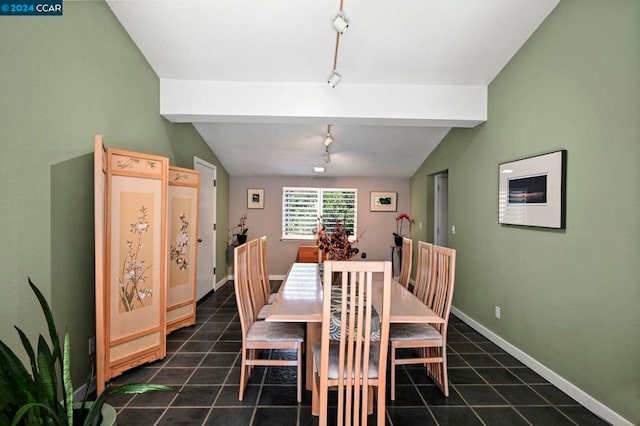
x,y
384,201
532,191
255,198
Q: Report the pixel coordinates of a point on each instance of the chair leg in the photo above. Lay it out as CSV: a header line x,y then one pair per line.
x,y
243,374
382,404
393,371
299,368
315,395
323,398
445,378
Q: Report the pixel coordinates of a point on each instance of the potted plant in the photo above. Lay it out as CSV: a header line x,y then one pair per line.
x,y
45,395
241,235
336,244
398,235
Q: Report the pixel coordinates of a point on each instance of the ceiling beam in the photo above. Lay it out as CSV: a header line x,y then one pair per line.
x,y
292,102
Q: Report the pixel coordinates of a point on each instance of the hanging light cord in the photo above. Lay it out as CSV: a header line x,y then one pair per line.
x,y
335,53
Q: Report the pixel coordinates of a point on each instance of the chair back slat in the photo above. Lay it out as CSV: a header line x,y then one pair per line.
x,y
405,267
241,285
443,278
423,272
254,262
264,273
354,342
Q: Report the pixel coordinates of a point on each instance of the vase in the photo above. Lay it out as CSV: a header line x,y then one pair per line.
x,y
398,240
107,411
242,238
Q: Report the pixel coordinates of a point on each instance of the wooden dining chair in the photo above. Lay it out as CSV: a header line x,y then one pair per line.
x,y
254,275
422,282
262,335
264,273
430,340
354,340
405,267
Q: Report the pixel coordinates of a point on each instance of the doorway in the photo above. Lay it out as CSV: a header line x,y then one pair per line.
x,y
206,279
441,209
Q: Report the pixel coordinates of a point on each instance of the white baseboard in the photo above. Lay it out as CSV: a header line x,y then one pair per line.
x,y
222,282
560,382
271,277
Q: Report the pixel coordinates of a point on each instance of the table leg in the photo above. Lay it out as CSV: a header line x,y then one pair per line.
x,y
392,261
314,332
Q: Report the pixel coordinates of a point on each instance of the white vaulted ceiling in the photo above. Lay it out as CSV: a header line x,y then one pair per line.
x,y
251,75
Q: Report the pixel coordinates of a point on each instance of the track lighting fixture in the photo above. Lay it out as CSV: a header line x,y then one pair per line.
x,y
328,140
340,24
334,79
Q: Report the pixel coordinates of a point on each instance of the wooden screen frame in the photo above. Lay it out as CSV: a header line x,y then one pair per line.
x,y
181,301
119,346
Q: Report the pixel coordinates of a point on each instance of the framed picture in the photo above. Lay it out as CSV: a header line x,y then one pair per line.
x,y
384,201
532,191
255,198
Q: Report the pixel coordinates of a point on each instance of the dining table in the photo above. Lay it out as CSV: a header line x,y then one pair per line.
x,y
299,299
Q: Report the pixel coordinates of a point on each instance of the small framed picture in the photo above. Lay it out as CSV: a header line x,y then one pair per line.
x,y
255,198
384,201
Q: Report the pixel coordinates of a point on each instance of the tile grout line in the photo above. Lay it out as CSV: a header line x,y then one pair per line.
x,y
213,403
194,368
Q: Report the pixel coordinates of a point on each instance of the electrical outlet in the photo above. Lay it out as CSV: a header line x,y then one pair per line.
x,y
497,314
92,345
453,229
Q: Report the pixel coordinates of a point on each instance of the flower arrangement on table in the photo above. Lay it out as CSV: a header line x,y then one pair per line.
x,y
336,244
241,235
398,235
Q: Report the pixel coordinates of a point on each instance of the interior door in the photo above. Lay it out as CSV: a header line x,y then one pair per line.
x,y
206,228
441,213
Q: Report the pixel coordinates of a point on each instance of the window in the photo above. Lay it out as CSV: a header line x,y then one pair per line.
x,y
301,208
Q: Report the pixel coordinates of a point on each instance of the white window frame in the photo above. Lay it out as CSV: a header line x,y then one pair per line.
x,y
317,212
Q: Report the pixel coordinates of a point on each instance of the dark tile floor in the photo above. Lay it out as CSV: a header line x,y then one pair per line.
x,y
488,386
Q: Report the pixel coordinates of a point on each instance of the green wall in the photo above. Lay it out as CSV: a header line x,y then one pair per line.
x,y
569,298
63,80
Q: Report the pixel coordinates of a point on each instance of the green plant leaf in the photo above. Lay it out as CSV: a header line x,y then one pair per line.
x,y
46,379
29,349
66,377
138,388
53,333
89,382
94,412
18,378
27,407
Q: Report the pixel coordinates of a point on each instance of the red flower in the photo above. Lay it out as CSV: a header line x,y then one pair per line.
x,y
399,222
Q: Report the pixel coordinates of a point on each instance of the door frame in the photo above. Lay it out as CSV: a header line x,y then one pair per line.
x,y
197,161
440,210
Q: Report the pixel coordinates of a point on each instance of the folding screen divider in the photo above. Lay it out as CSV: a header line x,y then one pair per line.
x,y
133,277
183,192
